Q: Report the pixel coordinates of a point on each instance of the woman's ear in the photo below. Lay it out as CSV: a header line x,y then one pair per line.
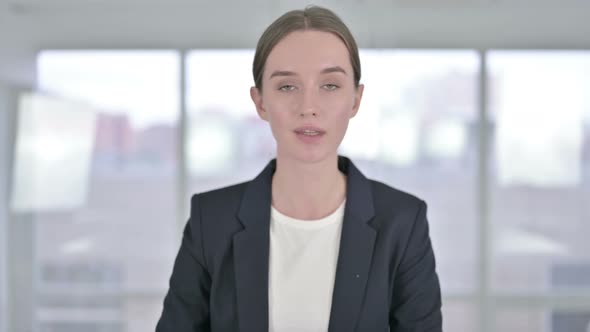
x,y
358,95
256,96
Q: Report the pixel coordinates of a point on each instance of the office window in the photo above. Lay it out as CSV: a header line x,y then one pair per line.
x,y
103,262
542,319
227,142
540,175
459,315
421,110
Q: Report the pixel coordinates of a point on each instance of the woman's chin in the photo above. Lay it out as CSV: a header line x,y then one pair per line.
x,y
309,156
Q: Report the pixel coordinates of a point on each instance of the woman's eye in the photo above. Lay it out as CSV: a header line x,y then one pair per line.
x,y
286,87
331,87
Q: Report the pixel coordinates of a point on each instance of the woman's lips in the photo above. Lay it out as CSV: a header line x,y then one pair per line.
x,y
310,134
309,129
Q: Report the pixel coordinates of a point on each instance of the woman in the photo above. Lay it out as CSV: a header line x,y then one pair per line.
x,y
310,244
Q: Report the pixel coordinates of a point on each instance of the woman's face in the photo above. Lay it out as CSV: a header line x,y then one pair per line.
x,y
308,83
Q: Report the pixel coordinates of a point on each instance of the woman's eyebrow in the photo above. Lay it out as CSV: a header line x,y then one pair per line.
x,y
335,69
282,73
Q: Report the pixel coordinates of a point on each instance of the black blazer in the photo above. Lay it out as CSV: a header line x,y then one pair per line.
x,y
385,275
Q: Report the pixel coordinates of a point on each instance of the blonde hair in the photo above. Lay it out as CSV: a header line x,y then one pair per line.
x,y
310,18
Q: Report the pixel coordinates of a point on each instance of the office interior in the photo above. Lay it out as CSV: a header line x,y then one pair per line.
x,y
113,113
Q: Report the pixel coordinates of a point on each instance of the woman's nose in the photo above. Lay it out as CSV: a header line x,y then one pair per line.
x,y
309,105
310,113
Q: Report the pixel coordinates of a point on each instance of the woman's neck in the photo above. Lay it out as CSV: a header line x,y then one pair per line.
x,y
308,191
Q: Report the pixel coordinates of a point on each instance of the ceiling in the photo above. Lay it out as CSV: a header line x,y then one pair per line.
x,y
27,26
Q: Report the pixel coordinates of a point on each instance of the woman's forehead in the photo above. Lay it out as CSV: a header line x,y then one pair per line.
x,y
308,50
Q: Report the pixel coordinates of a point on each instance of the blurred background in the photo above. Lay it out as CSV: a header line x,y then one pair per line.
x,y
113,113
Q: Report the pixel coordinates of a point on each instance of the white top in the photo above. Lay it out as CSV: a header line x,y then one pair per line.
x,y
302,269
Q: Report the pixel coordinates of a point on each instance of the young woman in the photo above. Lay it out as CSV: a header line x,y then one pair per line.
x,y
310,244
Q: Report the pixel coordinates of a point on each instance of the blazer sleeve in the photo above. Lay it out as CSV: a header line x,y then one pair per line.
x,y
186,305
416,302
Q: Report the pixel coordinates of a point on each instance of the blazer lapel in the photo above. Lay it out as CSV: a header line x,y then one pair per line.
x,y
251,251
356,250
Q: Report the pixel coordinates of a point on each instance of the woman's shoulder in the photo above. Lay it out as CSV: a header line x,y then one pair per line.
x,y
219,199
216,210
386,196
396,211
222,192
